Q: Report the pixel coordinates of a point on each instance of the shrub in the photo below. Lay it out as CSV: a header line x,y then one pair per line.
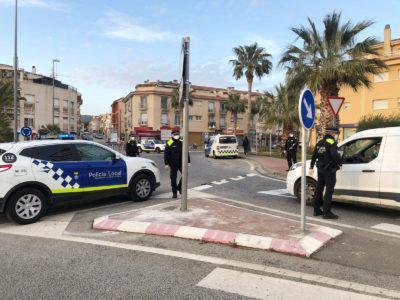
x,y
378,121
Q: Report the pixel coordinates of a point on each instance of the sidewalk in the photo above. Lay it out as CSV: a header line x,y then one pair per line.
x,y
215,221
271,165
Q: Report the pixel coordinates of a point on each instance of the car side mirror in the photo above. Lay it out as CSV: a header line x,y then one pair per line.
x,y
116,156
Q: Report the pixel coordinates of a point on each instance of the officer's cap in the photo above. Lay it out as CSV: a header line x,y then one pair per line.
x,y
175,132
332,129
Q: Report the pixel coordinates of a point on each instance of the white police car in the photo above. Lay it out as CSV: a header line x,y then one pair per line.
x,y
37,174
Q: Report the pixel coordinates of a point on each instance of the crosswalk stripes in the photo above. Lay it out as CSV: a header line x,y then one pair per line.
x,y
387,227
237,178
222,181
278,192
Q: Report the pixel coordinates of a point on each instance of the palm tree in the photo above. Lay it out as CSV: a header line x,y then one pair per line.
x,y
52,129
6,99
250,61
280,109
329,60
177,103
235,106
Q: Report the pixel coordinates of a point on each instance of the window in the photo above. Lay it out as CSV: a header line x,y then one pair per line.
x,y
65,104
51,153
360,151
222,108
222,122
143,118
164,119
30,99
381,77
143,102
164,102
227,140
198,118
28,122
56,103
191,118
380,104
211,106
94,153
177,119
347,105
57,120
72,107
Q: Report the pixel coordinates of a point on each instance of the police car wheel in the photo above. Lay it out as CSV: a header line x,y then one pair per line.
x,y
311,185
26,206
140,150
158,150
141,188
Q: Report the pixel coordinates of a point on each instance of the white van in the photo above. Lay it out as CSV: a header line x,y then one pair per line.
x,y
222,146
370,172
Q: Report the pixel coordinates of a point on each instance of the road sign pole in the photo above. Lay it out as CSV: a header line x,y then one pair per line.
x,y
185,146
303,178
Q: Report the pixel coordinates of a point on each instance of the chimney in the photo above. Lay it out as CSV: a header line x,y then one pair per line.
x,y
33,70
387,50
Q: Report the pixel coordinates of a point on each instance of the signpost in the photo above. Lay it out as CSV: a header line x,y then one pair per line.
x,y
335,103
307,118
26,131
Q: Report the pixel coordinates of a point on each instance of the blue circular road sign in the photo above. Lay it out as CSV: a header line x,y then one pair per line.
x,y
26,131
307,109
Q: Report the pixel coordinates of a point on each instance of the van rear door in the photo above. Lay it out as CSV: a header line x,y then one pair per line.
x,y
390,172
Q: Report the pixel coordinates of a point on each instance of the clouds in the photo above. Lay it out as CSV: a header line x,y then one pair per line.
x,y
45,4
121,26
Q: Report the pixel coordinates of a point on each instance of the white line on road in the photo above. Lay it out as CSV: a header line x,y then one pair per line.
x,y
265,287
237,178
223,181
49,228
387,227
251,174
279,193
202,187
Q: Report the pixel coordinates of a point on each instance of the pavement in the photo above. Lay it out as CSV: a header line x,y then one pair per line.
x,y
210,220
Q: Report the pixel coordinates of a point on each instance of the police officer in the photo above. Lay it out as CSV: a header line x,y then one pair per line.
x,y
173,161
291,150
131,148
328,161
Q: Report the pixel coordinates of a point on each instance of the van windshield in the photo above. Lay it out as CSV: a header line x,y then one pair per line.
x,y
227,140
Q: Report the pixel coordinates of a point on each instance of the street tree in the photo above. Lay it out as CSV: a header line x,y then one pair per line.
x,y
177,103
279,108
250,61
6,100
52,129
235,106
329,60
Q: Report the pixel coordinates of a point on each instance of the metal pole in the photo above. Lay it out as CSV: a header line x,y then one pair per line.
x,y
303,178
185,146
16,74
270,143
54,75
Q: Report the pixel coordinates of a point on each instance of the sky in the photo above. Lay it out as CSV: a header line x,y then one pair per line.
x,y
106,47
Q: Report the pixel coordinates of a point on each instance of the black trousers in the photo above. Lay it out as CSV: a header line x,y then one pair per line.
x,y
291,157
327,180
174,175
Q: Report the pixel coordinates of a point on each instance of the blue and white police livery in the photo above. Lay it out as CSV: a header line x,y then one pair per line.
x,y
37,174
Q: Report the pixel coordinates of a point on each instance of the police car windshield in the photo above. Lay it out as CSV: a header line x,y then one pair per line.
x,y
227,140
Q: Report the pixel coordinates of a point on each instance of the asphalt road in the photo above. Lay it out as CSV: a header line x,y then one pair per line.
x,y
78,262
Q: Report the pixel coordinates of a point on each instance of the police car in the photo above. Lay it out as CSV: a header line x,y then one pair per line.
x,y
37,174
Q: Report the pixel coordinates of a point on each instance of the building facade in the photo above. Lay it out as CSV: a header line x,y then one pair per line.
x,y
150,106
36,107
118,118
383,97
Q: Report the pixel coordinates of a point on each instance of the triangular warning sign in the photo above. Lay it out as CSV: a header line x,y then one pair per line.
x,y
335,104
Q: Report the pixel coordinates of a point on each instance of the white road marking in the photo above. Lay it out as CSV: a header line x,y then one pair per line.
x,y
265,287
251,174
58,226
387,227
223,181
252,167
202,187
237,178
279,192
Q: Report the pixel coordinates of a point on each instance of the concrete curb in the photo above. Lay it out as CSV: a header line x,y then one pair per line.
x,y
314,240
267,172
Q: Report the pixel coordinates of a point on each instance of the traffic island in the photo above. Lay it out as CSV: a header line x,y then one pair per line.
x,y
209,220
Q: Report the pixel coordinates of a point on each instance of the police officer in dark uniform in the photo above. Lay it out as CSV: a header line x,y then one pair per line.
x,y
291,150
328,161
173,161
131,148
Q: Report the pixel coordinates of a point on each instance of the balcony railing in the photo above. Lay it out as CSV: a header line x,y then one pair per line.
x,y
143,107
65,110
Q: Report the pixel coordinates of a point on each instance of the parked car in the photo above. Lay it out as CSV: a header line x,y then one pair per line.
x,y
222,146
151,145
370,171
99,136
35,175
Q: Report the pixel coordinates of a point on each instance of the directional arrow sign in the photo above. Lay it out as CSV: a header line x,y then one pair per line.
x,y
335,104
307,109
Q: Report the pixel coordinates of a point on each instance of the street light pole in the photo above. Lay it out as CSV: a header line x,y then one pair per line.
x,y
54,61
15,73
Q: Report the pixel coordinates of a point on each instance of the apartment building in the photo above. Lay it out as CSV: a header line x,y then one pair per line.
x,y
118,117
149,107
383,97
36,107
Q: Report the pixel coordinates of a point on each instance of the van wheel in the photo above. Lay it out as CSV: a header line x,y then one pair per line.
x,y
311,185
141,188
26,206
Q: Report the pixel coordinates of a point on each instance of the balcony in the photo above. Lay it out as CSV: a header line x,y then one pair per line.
x,y
211,111
143,107
65,110
57,111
